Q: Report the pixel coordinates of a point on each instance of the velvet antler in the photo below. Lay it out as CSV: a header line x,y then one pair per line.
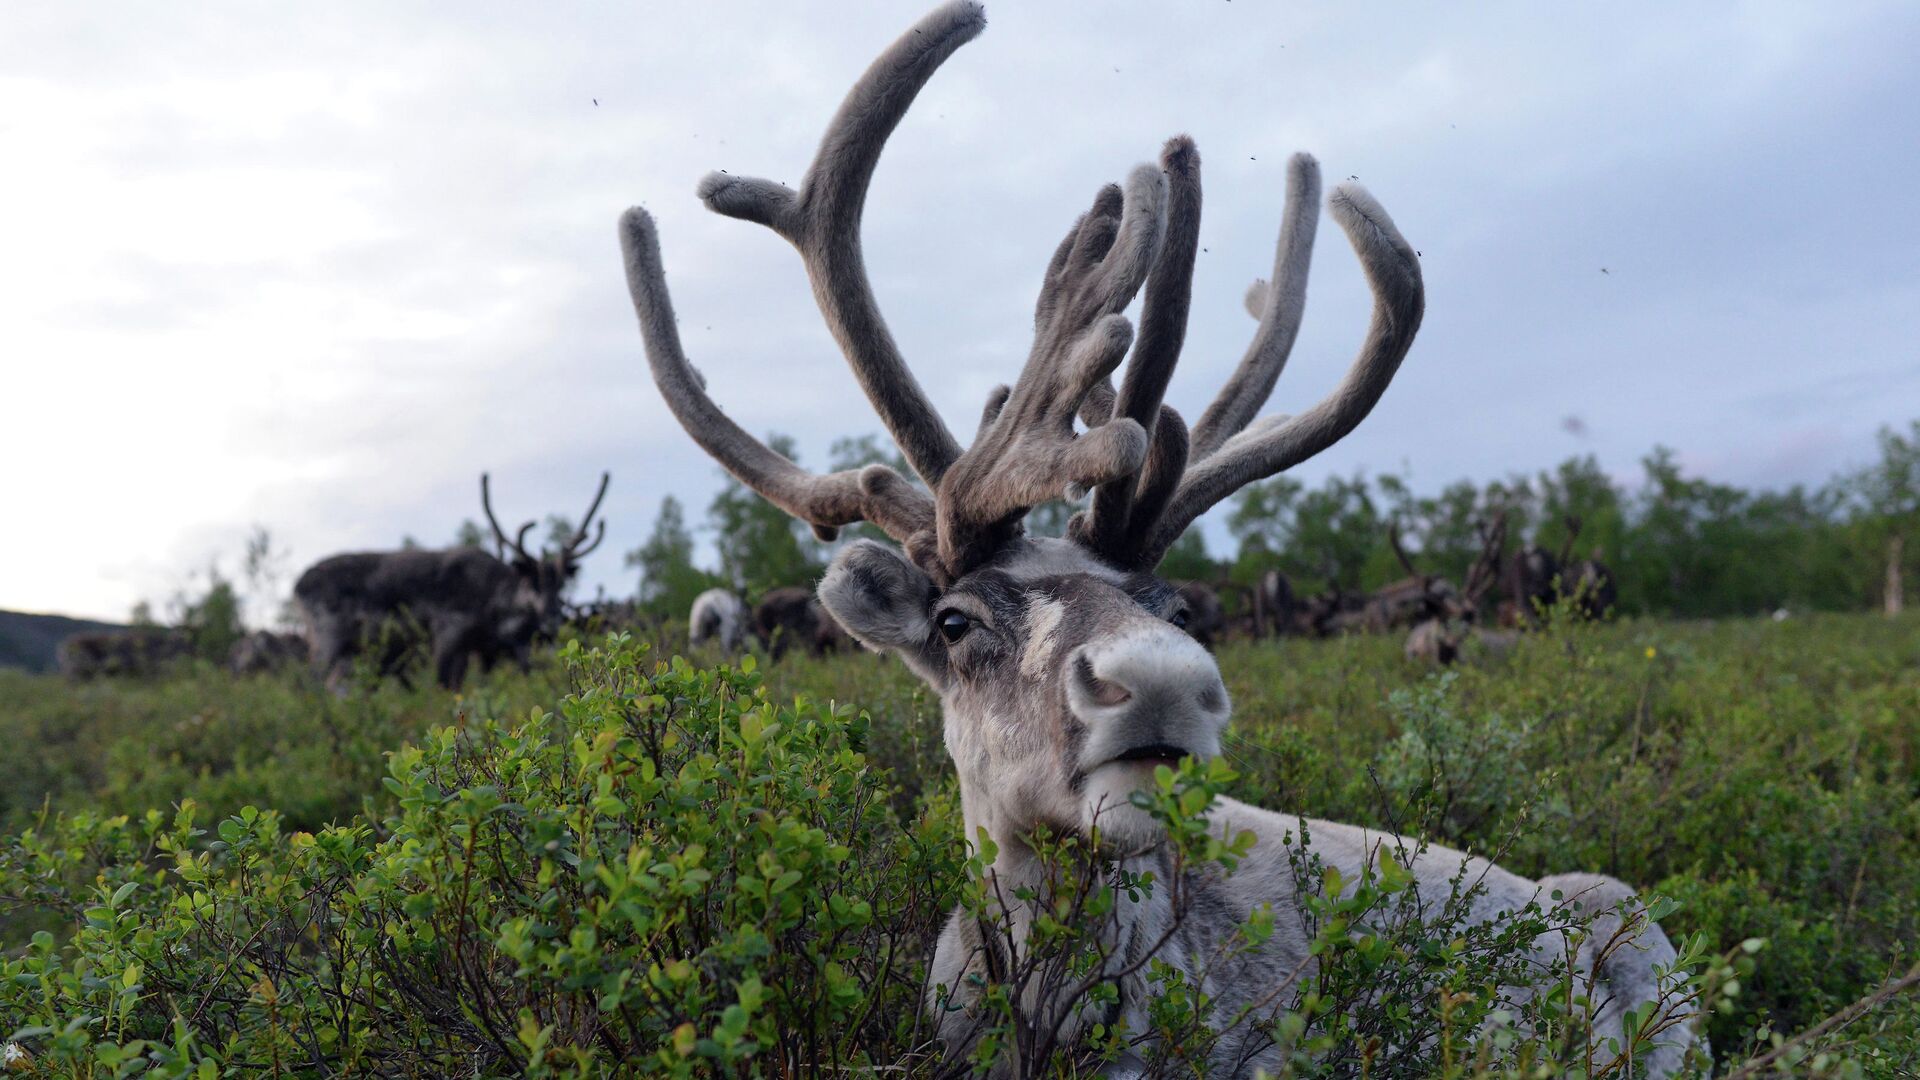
x,y
1149,479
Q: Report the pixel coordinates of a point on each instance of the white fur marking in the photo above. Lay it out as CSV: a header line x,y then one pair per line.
x,y
1043,621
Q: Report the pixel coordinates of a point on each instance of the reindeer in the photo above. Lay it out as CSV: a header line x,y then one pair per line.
x,y
791,617
1412,600
1438,638
718,618
139,652
1586,582
1275,611
1537,579
266,650
1063,677
463,601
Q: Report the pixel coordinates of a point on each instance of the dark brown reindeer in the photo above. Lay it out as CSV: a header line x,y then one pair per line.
x,y
1275,612
139,652
1063,680
1537,579
464,601
1587,582
791,617
1413,599
264,651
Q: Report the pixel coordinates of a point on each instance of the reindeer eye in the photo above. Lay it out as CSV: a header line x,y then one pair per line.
x,y
954,626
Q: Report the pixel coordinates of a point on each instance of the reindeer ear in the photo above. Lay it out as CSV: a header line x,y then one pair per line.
x,y
879,596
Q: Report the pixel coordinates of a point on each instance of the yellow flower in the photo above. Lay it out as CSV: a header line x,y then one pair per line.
x,y
1651,652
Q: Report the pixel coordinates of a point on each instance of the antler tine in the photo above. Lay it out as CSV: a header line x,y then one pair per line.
x,y
1108,527
1027,451
580,533
575,554
1393,271
1399,552
875,493
1279,307
1572,522
499,534
822,220
1482,574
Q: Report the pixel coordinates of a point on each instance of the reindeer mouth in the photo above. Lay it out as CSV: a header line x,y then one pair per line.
x,y
1158,753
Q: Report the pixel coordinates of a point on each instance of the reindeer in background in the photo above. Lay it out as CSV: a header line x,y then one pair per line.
x,y
1064,679
718,618
463,601
791,617
1439,638
1536,580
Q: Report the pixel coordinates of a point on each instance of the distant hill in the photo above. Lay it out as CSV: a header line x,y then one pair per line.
x,y
28,641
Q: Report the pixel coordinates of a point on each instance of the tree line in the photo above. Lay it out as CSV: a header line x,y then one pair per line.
x,y
1679,545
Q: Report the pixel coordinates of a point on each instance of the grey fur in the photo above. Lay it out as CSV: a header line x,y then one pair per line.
x,y
1036,742
718,618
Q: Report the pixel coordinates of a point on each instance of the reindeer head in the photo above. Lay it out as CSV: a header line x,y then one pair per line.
x,y
1061,663
543,579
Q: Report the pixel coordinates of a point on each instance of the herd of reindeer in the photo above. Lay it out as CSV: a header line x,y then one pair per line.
x,y
465,603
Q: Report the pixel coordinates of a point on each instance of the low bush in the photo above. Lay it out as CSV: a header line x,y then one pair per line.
x,y
663,870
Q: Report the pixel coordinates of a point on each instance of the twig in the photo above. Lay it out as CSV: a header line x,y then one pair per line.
x,y
1838,1020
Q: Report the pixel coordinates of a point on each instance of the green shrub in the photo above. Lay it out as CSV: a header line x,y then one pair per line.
x,y
607,881
667,873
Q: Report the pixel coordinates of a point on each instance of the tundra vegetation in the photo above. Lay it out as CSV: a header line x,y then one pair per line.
x,y
616,862
611,862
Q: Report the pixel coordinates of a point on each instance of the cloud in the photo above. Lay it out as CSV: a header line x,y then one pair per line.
x,y
317,268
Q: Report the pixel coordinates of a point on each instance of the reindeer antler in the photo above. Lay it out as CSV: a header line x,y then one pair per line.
x,y
1572,523
1150,480
1279,306
875,493
1486,566
1274,445
1400,553
1027,452
822,220
572,551
518,543
1125,509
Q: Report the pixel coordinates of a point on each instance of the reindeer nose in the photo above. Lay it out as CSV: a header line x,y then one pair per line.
x,y
1159,674
1103,692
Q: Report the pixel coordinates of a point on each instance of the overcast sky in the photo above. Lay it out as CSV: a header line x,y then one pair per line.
x,y
316,267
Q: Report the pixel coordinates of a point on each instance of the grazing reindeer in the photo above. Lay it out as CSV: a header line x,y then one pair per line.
x,y
1412,600
464,600
1063,679
718,618
1438,638
266,650
792,617
1537,579
1586,582
140,652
